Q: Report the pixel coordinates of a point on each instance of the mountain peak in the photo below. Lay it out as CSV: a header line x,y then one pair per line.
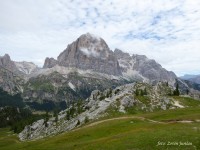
x,y
88,52
92,45
6,58
7,63
49,62
90,36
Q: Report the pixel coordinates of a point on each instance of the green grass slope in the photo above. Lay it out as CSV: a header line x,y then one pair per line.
x,y
158,130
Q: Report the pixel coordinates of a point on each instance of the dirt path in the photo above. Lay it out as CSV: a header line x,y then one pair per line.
x,y
119,118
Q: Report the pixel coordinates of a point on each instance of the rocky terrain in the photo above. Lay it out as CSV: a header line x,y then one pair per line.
x,y
87,52
66,88
142,68
10,79
26,67
7,63
123,99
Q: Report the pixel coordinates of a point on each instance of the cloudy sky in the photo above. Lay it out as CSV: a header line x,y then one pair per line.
x,y
165,30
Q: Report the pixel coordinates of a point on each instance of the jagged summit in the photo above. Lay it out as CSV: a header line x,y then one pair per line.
x,y
91,36
50,62
7,63
26,67
88,52
142,68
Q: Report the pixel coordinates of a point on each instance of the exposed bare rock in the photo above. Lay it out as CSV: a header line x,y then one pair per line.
x,y
88,52
7,63
140,65
99,104
10,79
26,67
50,62
128,101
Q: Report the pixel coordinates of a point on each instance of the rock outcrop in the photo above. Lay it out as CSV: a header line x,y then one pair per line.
x,y
100,104
26,67
10,79
141,66
7,63
50,62
88,52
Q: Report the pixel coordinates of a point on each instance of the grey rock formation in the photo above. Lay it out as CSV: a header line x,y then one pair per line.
x,y
99,104
10,82
50,62
26,67
59,87
7,63
141,65
37,127
10,79
128,101
88,52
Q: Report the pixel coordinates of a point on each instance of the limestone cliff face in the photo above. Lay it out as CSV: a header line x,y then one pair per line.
x,y
50,62
10,79
147,68
26,67
7,63
88,52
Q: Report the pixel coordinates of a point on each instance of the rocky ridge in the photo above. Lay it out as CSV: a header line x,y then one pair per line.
x,y
10,79
7,63
142,68
26,67
122,100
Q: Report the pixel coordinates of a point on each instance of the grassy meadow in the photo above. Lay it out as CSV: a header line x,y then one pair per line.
x,y
157,130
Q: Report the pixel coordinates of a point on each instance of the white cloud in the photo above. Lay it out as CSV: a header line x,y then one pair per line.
x,y
167,31
89,52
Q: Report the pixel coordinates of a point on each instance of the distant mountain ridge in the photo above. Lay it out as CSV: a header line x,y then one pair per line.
x,y
193,78
188,76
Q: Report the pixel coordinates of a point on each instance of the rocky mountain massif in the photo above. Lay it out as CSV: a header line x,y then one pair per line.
x,y
87,52
85,65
